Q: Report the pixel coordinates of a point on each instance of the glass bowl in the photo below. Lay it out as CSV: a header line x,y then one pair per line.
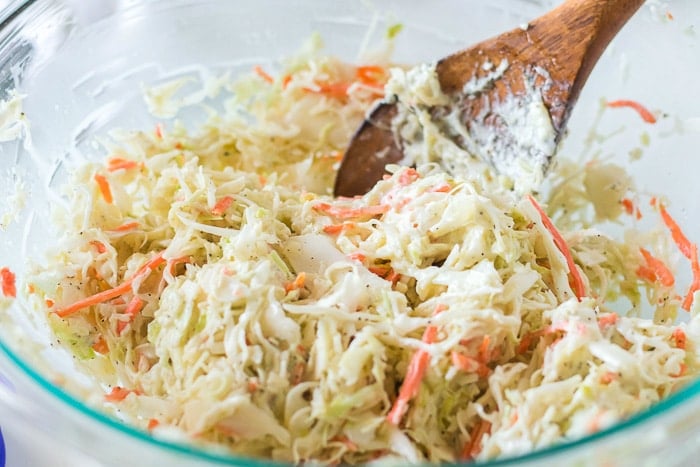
x,y
81,66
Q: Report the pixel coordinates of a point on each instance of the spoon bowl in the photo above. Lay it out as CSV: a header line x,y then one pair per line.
x,y
498,87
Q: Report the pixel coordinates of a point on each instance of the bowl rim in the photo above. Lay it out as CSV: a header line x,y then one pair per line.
x,y
13,10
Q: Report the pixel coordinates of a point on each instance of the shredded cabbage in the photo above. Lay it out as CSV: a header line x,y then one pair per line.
x,y
283,322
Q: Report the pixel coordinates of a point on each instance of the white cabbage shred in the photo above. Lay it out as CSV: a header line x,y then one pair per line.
x,y
281,322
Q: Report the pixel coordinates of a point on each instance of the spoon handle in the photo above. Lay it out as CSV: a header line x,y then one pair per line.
x,y
576,34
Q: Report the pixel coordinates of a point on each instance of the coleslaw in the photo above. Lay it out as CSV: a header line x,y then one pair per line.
x,y
211,283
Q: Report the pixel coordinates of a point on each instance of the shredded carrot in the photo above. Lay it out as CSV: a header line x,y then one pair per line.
x,y
357,256
527,340
222,205
393,276
49,303
118,163
484,349
607,319
297,283
669,15
286,79
132,309
336,90
99,246
660,270
159,130
578,284
652,201
100,345
473,447
125,227
414,374
643,112
372,75
608,377
469,364
679,338
253,385
646,273
263,74
333,229
30,288
628,205
408,176
119,393
695,285
117,291
684,245
688,249
682,370
105,190
179,145
441,188
9,288
152,423
351,213
514,418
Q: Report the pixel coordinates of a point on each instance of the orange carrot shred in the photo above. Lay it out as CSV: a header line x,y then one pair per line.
x,y
578,284
408,176
682,370
484,349
679,338
333,229
372,75
9,287
676,233
414,374
100,345
473,447
351,213
125,227
132,309
105,190
297,283
608,377
286,80
118,394
643,112
222,205
118,163
695,285
152,423
99,246
49,303
159,130
660,270
117,291
628,205
336,90
441,188
263,74
357,256
607,319
646,273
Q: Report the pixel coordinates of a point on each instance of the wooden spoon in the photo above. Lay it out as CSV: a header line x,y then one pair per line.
x,y
553,55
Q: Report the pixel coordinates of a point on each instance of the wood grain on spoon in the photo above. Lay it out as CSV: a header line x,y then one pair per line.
x,y
555,53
